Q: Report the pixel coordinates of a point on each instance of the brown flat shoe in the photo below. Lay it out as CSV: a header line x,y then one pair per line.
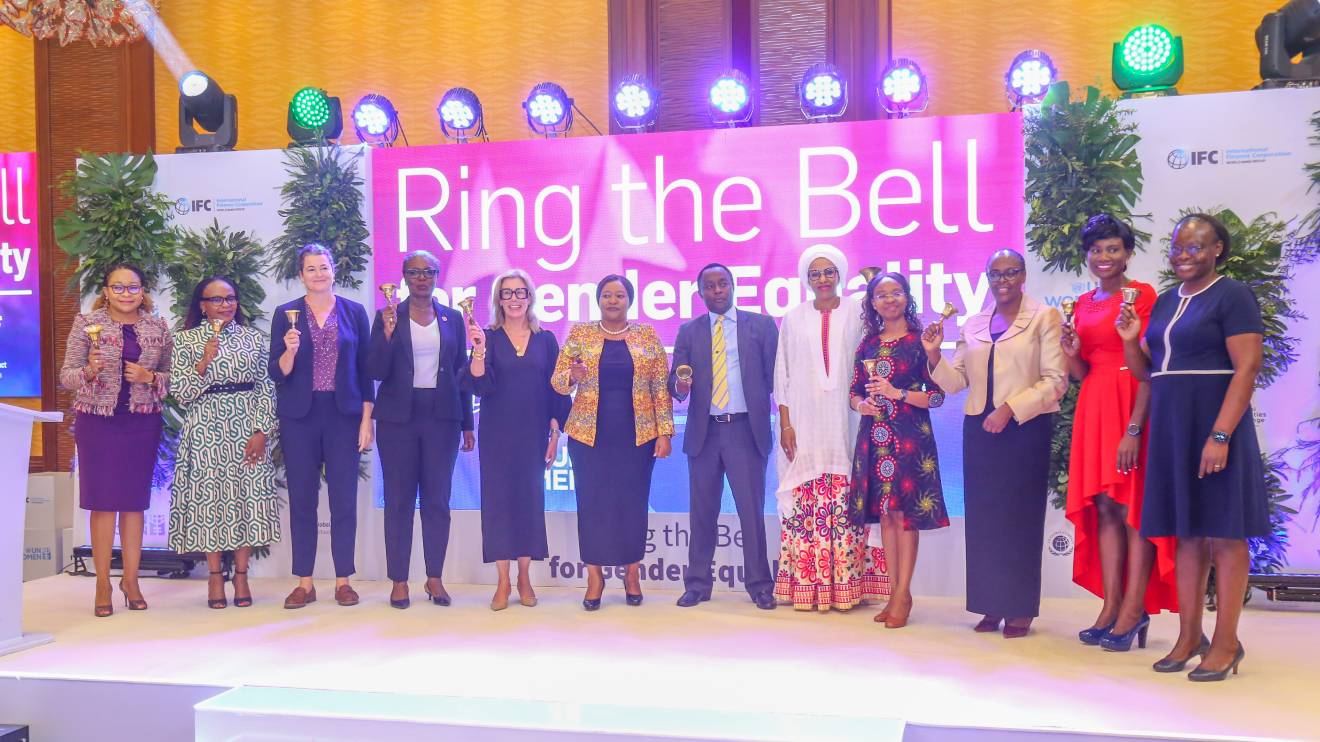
x,y
300,597
345,595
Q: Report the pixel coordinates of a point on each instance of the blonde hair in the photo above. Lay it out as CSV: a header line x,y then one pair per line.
x,y
497,310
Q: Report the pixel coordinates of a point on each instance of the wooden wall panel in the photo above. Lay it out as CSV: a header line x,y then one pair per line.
x,y
263,52
694,41
87,99
965,48
791,36
18,124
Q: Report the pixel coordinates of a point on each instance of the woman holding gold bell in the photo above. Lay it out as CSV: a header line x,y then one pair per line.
x,y
518,430
1107,463
1010,361
323,396
224,484
117,363
417,352
896,471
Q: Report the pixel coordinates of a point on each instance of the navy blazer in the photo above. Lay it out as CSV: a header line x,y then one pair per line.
x,y
758,341
293,392
391,363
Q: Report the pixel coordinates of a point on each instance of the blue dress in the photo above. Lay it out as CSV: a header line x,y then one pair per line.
x,y
1190,373
613,478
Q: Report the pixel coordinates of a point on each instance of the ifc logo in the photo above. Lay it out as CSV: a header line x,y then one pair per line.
x,y
1177,159
1061,544
181,207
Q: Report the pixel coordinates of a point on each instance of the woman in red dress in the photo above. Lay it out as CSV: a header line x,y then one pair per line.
x,y
1134,575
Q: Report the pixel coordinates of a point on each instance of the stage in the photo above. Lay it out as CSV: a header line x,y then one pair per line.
x,y
724,670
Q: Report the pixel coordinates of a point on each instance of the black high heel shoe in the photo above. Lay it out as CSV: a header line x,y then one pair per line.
x,y
1202,675
1169,664
593,604
400,603
242,601
437,598
633,599
1112,642
1093,635
221,601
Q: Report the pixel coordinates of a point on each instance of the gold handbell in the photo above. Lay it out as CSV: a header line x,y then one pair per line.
x,y
390,290
292,314
217,325
870,365
1130,295
683,372
93,333
869,272
1068,306
948,312
466,306
574,349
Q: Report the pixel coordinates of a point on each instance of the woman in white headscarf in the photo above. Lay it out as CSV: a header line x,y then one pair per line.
x,y
824,561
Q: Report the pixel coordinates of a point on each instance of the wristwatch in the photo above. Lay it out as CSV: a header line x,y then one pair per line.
x,y
1134,430
1219,436
902,395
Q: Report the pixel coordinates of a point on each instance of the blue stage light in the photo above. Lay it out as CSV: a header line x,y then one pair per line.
x,y
376,121
460,115
549,110
636,104
732,102
823,93
903,88
1029,77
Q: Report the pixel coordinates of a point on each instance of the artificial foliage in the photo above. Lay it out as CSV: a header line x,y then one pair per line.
x,y
116,218
1081,160
218,251
322,203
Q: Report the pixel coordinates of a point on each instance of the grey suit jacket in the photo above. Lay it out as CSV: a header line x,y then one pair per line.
x,y
758,340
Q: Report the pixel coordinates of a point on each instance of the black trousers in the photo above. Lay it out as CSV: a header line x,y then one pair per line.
x,y
417,457
323,437
730,450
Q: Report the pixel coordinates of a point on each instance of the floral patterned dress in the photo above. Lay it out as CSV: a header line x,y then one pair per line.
x,y
895,466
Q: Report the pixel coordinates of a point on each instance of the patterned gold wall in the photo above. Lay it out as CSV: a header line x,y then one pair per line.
x,y
965,47
263,51
18,100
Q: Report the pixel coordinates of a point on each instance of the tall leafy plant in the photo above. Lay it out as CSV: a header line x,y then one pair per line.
x,y
1257,259
1081,160
322,203
1306,250
218,251
116,217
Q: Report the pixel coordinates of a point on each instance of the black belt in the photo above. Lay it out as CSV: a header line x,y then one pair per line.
x,y
728,417
245,386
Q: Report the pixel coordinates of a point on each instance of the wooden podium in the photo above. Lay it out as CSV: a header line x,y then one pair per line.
x,y
15,443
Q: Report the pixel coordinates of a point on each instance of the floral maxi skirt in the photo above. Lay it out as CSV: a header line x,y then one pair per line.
x,y
824,561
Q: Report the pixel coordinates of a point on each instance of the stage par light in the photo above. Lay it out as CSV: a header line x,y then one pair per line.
x,y
1029,77
203,104
549,110
375,121
636,104
314,117
903,88
731,100
460,115
1148,62
822,93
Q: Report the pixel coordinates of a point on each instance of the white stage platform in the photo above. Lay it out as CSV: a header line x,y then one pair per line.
x,y
724,670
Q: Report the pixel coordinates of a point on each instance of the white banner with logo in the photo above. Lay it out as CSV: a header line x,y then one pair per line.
x,y
1246,152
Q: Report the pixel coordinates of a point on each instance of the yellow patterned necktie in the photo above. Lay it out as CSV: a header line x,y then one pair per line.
x,y
719,395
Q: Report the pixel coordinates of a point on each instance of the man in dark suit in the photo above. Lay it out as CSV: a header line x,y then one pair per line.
x,y
731,356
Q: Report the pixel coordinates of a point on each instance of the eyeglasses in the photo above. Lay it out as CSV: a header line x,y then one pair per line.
x,y
827,273
507,294
219,301
1190,251
132,288
895,295
1009,275
420,272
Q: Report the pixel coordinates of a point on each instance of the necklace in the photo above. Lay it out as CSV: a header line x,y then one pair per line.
x,y
607,331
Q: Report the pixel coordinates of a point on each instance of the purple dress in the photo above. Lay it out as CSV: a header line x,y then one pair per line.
x,y
117,454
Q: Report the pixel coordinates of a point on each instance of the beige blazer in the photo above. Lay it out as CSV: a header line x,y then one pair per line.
x,y
1030,373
